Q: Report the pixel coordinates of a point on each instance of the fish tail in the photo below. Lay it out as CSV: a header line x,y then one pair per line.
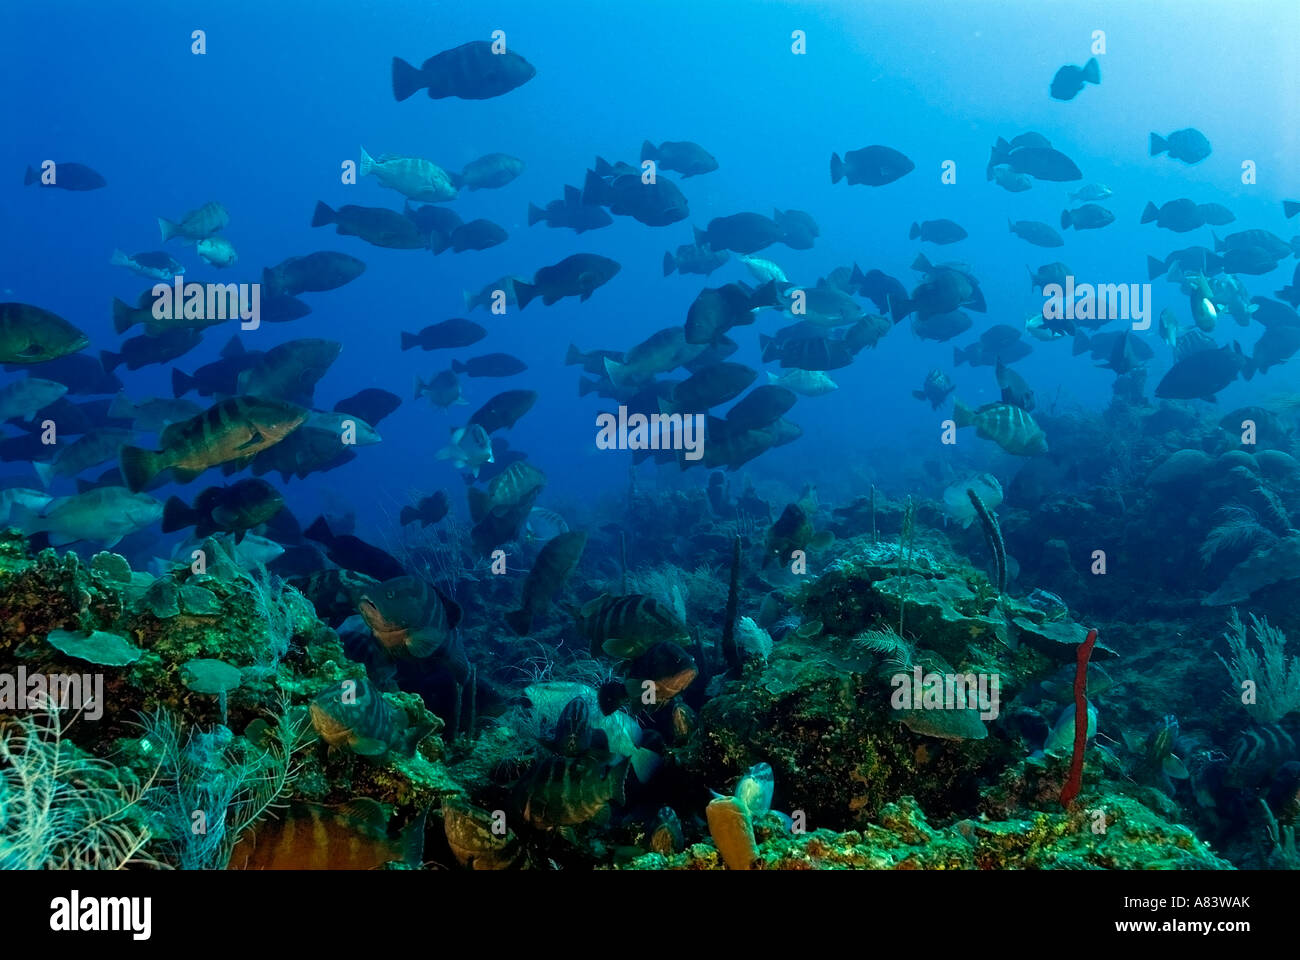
x,y
177,515
535,214
269,282
367,162
915,231
408,515
1092,71
572,356
1065,219
837,168
122,316
1150,211
167,228
1155,267
406,79
182,382
524,293
962,415
649,151
138,465
586,386
26,519
644,764
319,530
109,360
118,259
323,214
30,177
670,263
1158,144
44,471
409,340
1289,207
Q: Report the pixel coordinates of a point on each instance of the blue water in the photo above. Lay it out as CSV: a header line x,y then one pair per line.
x,y
287,92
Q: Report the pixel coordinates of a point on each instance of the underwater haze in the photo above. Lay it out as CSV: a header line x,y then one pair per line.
x,y
883,412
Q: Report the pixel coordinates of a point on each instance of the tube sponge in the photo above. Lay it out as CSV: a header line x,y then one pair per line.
x,y
732,830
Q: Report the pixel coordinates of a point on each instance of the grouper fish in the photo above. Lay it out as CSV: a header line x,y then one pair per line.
x,y
234,430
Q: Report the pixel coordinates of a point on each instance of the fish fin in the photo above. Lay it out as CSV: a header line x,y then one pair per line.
x,y
319,530
122,316
177,515
138,466
413,840
369,747
323,214
962,415
477,504
524,293
1174,768
182,383
837,168
44,472
1158,144
670,263
644,763
406,81
25,519
535,214
617,372
1092,71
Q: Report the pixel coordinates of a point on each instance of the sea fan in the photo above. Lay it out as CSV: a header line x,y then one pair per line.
x,y
221,782
753,639
664,584
896,651
1274,678
1238,528
61,809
